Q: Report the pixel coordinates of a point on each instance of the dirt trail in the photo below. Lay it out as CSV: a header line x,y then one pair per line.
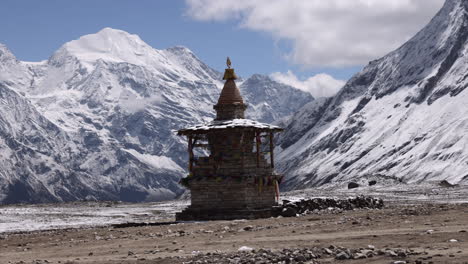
x,y
426,229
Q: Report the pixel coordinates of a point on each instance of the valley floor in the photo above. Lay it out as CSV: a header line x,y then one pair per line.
x,y
424,232
405,231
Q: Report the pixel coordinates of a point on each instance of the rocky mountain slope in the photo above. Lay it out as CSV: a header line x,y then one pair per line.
x,y
404,117
269,100
97,119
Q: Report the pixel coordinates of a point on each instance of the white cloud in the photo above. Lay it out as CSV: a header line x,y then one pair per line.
x,y
320,85
330,33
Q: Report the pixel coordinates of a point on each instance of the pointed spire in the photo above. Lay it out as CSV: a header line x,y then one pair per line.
x,y
230,103
230,93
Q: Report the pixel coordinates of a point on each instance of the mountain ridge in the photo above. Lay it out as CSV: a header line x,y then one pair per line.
x,y
117,114
402,116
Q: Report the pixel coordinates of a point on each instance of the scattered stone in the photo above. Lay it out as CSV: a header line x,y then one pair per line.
x,y
245,249
380,252
372,183
248,228
288,212
247,255
342,255
353,185
368,252
316,205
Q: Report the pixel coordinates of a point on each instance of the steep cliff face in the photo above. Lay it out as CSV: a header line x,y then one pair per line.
x,y
26,137
108,105
404,116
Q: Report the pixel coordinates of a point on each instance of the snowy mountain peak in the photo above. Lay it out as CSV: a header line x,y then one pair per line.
x,y
420,62
266,98
5,53
260,77
183,55
114,103
111,45
108,41
180,50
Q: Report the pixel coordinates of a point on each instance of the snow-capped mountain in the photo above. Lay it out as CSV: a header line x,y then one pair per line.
x,y
107,105
405,116
269,100
12,72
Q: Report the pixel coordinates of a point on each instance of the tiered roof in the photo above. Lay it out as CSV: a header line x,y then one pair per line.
x,y
229,124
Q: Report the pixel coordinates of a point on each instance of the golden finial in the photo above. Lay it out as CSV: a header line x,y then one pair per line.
x,y
229,72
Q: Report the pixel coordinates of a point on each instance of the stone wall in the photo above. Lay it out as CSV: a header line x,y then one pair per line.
x,y
231,111
231,194
227,199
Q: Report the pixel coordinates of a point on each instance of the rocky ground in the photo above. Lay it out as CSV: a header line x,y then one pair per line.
x,y
398,233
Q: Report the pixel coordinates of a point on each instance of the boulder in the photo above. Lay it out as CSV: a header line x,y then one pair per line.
x,y
342,255
289,212
446,184
373,182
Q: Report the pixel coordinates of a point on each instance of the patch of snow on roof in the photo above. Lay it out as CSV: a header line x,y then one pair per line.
x,y
233,123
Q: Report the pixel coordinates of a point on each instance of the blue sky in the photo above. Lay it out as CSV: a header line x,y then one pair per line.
x,y
33,30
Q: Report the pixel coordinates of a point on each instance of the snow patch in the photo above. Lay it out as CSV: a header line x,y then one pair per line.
x,y
158,162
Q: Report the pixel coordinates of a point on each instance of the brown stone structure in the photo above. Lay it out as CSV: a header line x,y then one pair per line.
x,y
236,179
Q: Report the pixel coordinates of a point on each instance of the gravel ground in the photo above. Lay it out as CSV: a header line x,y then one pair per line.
x,y
418,224
424,233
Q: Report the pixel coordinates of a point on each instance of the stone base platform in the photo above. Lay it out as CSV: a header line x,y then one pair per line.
x,y
190,214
